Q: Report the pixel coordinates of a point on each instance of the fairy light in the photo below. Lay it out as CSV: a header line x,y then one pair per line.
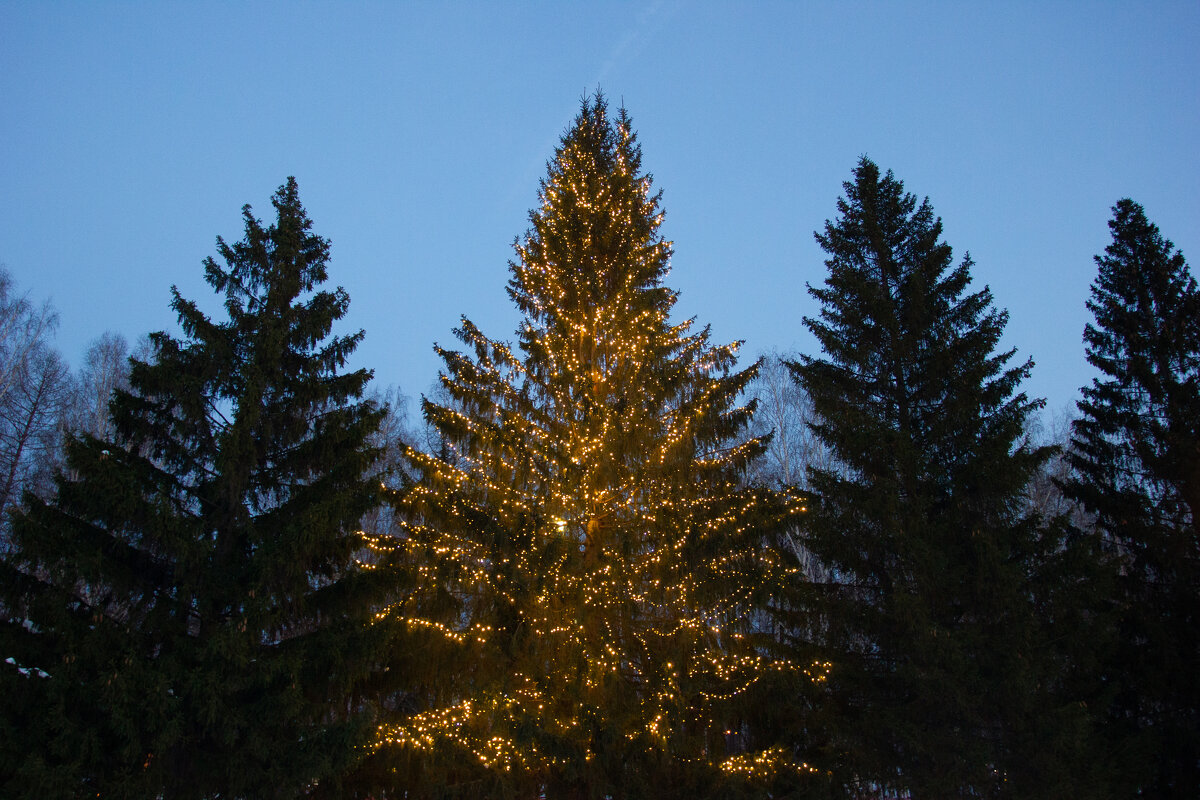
x,y
590,528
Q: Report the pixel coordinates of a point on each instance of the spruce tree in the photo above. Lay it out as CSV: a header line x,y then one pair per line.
x,y
1136,455
927,616
187,606
587,536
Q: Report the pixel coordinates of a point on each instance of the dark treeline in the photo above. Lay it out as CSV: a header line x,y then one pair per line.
x,y
612,563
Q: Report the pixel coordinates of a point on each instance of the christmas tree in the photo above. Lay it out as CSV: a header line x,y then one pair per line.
x,y
1136,455
592,557
928,611
187,608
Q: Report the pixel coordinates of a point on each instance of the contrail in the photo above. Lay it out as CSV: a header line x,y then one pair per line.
x,y
649,20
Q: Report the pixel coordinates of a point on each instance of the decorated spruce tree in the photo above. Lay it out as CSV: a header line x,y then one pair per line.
x,y
929,615
590,553
1136,455
185,611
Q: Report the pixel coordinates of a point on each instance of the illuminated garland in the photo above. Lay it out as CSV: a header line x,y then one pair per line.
x,y
588,521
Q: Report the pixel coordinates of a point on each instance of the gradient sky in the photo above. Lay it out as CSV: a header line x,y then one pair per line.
x,y
132,134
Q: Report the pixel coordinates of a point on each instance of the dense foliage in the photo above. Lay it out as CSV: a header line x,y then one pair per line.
x,y
928,611
589,525
1137,460
185,609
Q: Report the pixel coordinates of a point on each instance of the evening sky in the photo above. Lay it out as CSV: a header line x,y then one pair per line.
x,y
132,134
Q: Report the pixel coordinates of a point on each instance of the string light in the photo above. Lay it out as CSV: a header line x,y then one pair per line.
x,y
590,527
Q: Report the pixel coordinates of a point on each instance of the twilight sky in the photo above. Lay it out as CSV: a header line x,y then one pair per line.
x,y
132,133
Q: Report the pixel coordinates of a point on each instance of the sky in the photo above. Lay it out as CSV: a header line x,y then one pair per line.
x,y
131,135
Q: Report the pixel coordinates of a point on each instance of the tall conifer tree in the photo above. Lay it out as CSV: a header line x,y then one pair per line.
x,y
187,606
1136,454
928,610
585,521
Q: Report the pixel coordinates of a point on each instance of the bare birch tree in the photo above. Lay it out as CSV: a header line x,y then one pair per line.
x,y
34,388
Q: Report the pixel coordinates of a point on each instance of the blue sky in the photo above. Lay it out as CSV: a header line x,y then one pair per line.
x,y
132,134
